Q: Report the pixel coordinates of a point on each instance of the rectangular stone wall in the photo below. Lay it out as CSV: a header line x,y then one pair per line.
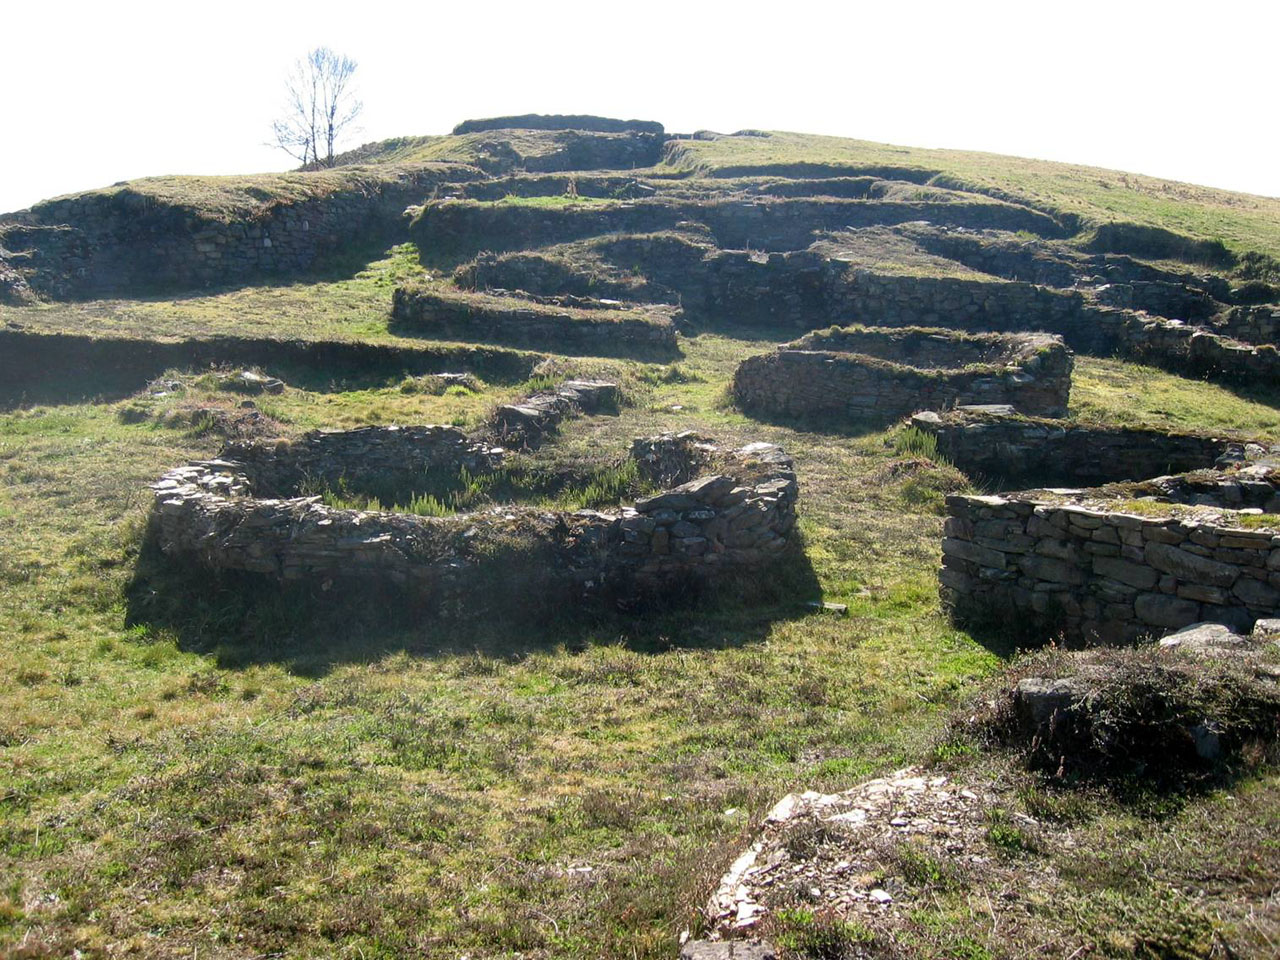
x,y
1046,569
594,332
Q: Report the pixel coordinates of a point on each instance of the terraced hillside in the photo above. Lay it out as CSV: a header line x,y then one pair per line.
x,y
525,683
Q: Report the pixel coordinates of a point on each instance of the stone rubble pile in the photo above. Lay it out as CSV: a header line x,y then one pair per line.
x,y
527,423
831,850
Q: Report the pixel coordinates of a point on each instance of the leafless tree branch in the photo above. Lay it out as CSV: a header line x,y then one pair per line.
x,y
320,106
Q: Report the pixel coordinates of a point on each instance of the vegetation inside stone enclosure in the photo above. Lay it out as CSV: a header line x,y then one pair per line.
x,y
519,479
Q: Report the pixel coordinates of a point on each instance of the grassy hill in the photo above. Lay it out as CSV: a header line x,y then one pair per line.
x,y
1092,194
226,766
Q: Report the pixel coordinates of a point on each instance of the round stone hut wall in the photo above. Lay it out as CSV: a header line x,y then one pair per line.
x,y
737,513
861,374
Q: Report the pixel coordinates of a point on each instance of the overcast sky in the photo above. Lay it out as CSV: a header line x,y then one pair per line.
x,y
101,92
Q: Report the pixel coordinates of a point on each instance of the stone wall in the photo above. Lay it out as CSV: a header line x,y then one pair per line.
x,y
739,515
1092,572
637,331
558,121
1256,325
870,375
1160,297
1025,450
383,456
64,367
458,229
803,290
124,242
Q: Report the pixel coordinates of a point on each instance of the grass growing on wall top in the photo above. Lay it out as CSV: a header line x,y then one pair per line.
x,y
1096,195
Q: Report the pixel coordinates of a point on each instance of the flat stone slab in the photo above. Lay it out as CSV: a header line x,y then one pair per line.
x,y
727,950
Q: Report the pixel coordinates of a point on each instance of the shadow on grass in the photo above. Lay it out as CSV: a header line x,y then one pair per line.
x,y
332,266
310,627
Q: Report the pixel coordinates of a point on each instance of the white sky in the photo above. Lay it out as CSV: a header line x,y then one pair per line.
x,y
101,92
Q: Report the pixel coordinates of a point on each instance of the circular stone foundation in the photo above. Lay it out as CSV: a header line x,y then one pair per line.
x,y
736,511
861,374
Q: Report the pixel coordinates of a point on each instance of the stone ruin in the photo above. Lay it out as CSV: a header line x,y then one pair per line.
x,y
861,374
728,510
1118,563
997,445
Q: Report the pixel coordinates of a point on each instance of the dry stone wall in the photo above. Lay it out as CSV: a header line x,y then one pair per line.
x,y
58,367
462,228
1012,449
1088,569
1257,324
118,243
647,330
868,374
739,515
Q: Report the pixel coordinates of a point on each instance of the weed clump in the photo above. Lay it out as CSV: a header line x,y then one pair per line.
x,y
1153,717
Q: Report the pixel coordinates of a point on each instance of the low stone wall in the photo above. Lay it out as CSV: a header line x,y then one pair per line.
x,y
1086,569
457,229
1010,449
388,456
868,374
740,515
64,367
647,330
126,241
1256,325
1160,297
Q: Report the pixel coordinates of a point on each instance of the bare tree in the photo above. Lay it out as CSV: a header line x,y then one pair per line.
x,y
321,105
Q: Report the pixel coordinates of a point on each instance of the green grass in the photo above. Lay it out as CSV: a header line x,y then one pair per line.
x,y
550,202
1115,391
266,778
1242,221
242,197
357,308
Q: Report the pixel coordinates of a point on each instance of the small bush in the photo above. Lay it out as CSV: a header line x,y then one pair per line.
x,y
818,936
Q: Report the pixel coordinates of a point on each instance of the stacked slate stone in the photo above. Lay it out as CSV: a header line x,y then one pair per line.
x,y
740,517
859,374
211,514
527,423
991,443
1079,564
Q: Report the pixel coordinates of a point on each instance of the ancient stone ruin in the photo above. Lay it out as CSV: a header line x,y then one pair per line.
x,y
1118,563
246,512
863,374
999,446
